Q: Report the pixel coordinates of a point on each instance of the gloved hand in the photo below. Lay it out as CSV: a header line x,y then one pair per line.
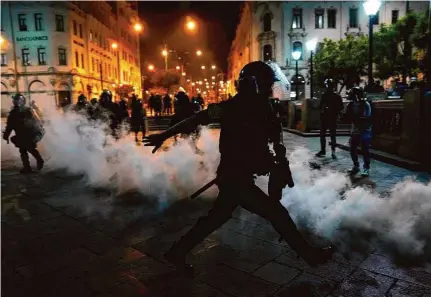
x,y
155,140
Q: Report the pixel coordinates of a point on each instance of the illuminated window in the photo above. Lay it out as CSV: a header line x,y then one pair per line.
x,y
297,47
318,18
297,18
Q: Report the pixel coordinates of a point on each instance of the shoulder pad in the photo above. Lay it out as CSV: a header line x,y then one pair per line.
x,y
214,111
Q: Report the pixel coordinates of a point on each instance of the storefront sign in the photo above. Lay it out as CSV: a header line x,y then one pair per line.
x,y
34,38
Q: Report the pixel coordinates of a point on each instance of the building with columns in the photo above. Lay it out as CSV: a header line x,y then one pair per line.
x,y
52,52
271,31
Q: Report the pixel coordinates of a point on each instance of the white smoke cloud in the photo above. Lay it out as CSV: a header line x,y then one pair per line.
x,y
400,222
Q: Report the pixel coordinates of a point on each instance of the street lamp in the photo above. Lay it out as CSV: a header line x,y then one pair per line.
x,y
296,55
191,25
178,67
203,67
151,67
371,8
165,54
311,46
114,45
137,27
199,53
213,67
183,74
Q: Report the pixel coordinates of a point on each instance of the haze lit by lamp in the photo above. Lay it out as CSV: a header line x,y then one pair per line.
x,y
137,27
199,53
151,67
213,67
193,83
371,7
191,25
1,40
183,74
164,53
178,67
203,67
114,45
311,44
296,55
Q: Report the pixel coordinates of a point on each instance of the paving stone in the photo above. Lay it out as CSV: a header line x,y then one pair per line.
x,y
209,254
352,258
233,239
364,283
129,290
384,265
332,270
277,273
405,289
236,283
182,286
307,285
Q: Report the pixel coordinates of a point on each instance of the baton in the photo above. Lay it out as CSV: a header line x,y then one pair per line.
x,y
203,189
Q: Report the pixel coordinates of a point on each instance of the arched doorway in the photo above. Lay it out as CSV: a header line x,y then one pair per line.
x,y
64,95
267,52
6,99
37,90
298,85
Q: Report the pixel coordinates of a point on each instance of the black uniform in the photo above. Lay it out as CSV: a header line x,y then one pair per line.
x,y
331,105
27,134
167,104
138,119
248,125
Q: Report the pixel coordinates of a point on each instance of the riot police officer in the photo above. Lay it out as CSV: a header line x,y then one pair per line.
x,y
111,111
81,104
331,105
248,125
28,132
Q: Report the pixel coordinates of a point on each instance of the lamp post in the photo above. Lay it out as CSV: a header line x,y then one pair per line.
x,y
311,46
296,55
165,54
371,7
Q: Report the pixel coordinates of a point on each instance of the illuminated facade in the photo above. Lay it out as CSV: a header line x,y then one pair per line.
x,y
54,51
273,30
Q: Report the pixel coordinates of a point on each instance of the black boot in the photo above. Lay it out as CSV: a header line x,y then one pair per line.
x,y
178,260
38,158
321,154
26,164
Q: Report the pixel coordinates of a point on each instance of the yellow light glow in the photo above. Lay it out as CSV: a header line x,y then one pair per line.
x,y
164,53
213,77
213,83
178,67
199,53
205,79
151,67
1,40
191,25
183,74
203,67
193,84
137,27
213,67
114,45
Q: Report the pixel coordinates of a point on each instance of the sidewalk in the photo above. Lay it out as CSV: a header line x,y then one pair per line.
x,y
53,247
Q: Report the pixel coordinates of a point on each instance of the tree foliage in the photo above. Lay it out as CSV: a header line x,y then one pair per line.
x,y
344,60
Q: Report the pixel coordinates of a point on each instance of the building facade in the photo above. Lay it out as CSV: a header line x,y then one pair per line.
x,y
52,52
271,31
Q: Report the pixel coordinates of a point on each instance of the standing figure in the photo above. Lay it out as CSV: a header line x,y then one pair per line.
x,y
151,103
28,132
158,105
167,104
248,125
123,113
331,105
359,114
110,111
138,118
81,104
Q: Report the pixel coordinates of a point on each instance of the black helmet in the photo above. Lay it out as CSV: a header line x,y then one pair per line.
x,y
329,83
18,100
82,99
93,101
105,97
257,74
355,94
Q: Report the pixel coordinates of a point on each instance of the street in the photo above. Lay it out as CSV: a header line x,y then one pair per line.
x,y
113,246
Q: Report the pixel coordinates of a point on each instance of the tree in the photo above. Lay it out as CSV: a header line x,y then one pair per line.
x,y
344,61
168,79
421,39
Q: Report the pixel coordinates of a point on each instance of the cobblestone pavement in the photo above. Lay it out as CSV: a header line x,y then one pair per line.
x,y
50,247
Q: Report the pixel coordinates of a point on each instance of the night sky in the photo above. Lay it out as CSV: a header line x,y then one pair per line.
x,y
164,22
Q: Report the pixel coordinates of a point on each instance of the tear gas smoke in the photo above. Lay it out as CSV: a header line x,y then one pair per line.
x,y
400,222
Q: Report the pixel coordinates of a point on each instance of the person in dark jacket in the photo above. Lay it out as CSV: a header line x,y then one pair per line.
x,y
167,104
123,114
331,105
111,111
158,105
248,125
138,118
28,132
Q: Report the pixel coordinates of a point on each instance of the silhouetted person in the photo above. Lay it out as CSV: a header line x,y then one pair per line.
x,y
378,87
359,114
167,104
138,118
248,125
331,105
28,132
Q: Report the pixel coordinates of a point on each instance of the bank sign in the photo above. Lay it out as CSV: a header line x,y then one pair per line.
x,y
34,38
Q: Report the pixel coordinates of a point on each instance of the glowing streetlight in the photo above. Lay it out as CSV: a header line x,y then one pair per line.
x,y
213,67
311,46
151,67
1,40
188,80
203,67
178,67
199,52
183,74
205,79
137,27
213,83
212,77
193,84
296,55
164,53
371,8
191,25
